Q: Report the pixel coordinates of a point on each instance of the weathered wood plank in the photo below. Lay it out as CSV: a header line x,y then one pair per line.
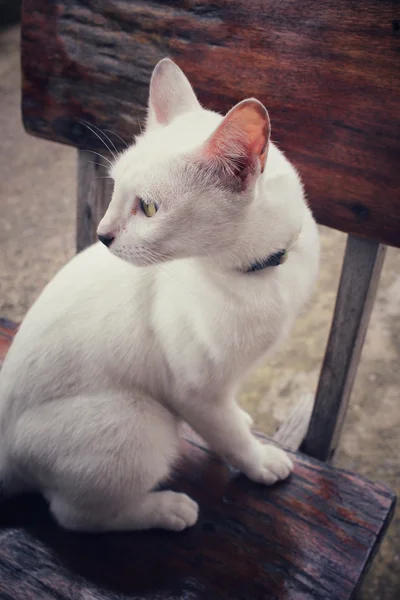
x,y
358,284
94,193
311,537
328,72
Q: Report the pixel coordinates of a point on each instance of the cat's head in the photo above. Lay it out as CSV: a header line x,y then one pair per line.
x,y
183,189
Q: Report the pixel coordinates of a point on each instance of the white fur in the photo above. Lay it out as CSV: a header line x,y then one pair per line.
x,y
116,353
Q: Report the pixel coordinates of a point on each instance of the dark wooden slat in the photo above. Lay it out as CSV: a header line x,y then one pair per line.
x,y
361,271
93,194
311,537
328,72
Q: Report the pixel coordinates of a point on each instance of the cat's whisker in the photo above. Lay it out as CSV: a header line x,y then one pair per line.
x,y
103,132
118,136
100,138
156,257
212,258
215,273
90,162
200,247
154,262
101,156
162,267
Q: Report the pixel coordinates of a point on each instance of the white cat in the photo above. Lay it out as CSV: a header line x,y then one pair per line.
x,y
126,343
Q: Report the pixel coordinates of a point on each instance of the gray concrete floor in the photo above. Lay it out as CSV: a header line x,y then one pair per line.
x,y
37,236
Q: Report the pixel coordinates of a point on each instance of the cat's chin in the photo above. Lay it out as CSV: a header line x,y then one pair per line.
x,y
140,260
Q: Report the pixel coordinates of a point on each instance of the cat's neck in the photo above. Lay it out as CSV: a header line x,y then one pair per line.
x,y
273,222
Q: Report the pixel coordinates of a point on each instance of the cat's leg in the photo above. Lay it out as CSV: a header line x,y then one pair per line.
x,y
224,426
164,510
97,460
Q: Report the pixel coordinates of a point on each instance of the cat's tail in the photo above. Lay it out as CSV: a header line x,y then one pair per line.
x,y
294,429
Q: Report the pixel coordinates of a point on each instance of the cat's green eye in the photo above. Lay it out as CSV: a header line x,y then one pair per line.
x,y
149,208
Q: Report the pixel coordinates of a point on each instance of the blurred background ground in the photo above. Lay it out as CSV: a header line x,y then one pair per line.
x,y
37,236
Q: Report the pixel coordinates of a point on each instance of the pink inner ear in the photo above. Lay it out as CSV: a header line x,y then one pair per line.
x,y
161,103
242,136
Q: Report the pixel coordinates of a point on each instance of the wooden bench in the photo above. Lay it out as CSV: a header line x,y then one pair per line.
x,y
330,76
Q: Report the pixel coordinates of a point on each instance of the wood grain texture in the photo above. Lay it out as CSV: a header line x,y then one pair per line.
x,y
93,197
311,537
328,72
359,280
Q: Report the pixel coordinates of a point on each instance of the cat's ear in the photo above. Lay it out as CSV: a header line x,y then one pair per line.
x,y
170,94
239,145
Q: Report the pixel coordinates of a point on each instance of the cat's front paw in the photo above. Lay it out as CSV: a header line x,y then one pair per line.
x,y
272,465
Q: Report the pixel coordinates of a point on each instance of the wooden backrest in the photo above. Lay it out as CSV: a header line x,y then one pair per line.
x,y
328,72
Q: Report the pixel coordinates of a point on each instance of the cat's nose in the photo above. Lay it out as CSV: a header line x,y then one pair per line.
x,y
107,240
